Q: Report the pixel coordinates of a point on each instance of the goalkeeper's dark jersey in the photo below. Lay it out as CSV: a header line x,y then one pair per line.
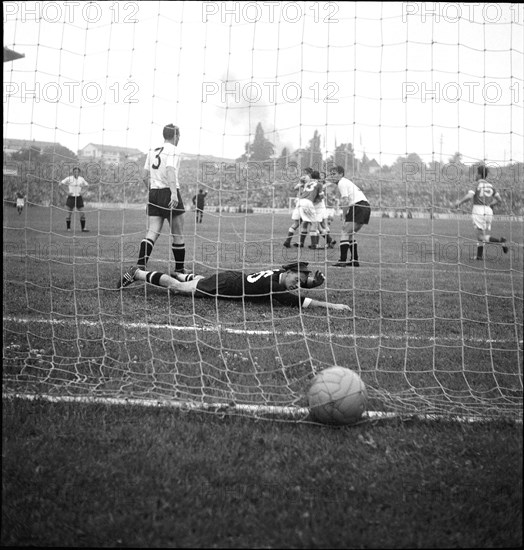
x,y
262,286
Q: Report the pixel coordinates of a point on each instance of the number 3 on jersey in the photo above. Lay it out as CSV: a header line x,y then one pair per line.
x,y
157,156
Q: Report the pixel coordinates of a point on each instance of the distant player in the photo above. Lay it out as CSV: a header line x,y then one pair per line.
x,y
308,194
322,213
332,208
484,198
295,219
295,215
164,199
199,203
75,184
271,285
356,212
20,202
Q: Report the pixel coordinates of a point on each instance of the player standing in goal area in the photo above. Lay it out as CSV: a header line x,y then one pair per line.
x,y
270,285
75,185
164,201
356,212
484,198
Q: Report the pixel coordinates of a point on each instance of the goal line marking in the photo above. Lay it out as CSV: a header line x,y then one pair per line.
x,y
257,332
267,412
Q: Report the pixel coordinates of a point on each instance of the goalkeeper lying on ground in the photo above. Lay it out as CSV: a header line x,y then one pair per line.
x,y
268,285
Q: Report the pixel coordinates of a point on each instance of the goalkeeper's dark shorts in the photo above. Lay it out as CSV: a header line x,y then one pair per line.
x,y
74,202
359,213
158,204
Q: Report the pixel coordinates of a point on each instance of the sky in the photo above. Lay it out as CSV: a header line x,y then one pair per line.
x,y
391,78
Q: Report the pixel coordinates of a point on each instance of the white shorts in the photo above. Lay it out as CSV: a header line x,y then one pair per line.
x,y
330,213
295,216
20,203
307,211
320,209
482,217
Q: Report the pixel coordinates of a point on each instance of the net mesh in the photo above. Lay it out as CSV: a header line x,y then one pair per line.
x,y
407,100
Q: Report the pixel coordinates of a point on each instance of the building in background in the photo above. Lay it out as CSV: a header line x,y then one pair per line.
x,y
109,154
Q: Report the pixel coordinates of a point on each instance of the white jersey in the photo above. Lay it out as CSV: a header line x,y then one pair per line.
x,y
157,162
75,185
353,193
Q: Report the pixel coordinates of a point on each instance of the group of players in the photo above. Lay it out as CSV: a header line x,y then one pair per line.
x,y
313,190
311,215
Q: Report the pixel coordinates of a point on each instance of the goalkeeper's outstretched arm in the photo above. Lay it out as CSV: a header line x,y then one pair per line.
x,y
328,305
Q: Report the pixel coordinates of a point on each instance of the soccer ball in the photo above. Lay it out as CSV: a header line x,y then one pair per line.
x,y
337,396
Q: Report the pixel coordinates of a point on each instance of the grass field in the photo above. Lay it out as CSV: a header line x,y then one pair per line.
x,y
431,332
94,475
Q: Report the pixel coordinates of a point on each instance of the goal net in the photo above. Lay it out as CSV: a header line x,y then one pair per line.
x,y
408,101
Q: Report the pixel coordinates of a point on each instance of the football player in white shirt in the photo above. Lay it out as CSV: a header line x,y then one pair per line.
x,y
165,201
356,212
20,202
295,216
75,185
308,194
484,198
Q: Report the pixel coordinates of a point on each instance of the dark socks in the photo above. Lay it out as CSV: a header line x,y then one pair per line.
x,y
344,249
179,253
146,247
